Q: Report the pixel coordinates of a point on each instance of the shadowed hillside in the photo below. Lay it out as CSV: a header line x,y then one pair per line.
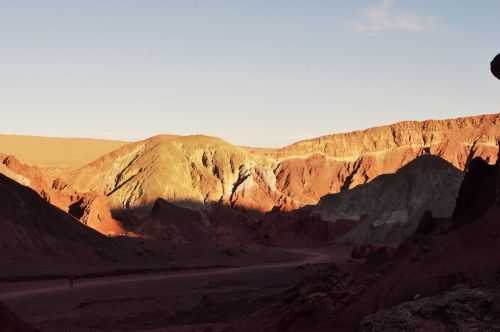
x,y
389,208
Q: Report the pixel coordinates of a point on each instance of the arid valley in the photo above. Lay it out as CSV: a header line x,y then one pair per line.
x,y
192,233
249,166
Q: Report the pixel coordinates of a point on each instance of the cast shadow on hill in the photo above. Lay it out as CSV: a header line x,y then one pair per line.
x,y
192,222
390,208
40,239
429,179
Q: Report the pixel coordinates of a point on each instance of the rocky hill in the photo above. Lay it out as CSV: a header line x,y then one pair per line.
x,y
199,171
389,208
33,229
438,280
92,209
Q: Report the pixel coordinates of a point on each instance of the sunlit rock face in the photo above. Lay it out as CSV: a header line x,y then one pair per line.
x,y
196,171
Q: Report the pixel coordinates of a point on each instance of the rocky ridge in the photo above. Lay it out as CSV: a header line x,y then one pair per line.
x,y
441,279
199,171
203,170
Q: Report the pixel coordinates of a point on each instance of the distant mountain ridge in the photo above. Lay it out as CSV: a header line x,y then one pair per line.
x,y
208,170
201,172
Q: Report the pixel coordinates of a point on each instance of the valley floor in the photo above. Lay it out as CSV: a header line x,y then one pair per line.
x,y
184,300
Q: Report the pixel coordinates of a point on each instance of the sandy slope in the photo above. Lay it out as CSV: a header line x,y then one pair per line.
x,y
56,152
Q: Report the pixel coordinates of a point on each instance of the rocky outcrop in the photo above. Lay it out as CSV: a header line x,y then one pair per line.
x,y
461,309
205,170
390,208
452,140
92,209
176,224
197,172
298,228
495,66
435,281
477,192
31,226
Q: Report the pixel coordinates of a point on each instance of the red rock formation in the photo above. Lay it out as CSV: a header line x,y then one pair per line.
x,y
427,265
31,226
207,170
91,209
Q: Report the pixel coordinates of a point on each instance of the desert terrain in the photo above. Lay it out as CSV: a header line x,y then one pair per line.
x,y
192,233
56,152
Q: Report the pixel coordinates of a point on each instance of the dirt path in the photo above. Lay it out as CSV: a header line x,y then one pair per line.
x,y
31,289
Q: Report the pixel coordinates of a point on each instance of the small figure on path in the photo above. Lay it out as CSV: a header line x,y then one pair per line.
x,y
71,282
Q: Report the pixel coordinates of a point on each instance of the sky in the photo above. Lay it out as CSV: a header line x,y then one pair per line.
x,y
254,72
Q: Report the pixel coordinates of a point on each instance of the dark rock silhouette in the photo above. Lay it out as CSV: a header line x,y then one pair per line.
x,y
457,310
495,66
477,192
9,322
177,224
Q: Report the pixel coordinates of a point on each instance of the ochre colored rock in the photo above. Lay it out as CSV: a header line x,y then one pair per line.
x,y
200,170
93,210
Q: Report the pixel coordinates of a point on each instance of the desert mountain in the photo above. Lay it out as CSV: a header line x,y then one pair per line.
x,y
389,208
438,280
198,171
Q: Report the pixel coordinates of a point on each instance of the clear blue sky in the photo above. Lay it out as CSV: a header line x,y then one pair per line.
x,y
258,72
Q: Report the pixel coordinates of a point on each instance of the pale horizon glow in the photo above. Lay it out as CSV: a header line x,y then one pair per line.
x,y
260,73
